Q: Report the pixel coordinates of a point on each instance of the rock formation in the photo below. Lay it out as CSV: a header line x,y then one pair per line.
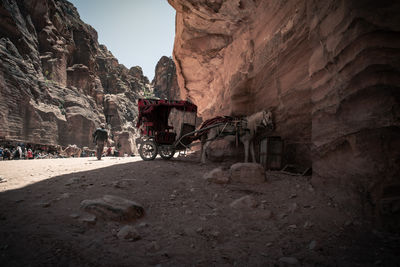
x,y
57,83
165,83
329,70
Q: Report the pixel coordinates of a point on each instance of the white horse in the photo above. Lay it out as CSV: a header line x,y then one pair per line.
x,y
244,129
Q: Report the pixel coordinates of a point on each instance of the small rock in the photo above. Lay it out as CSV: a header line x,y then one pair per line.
x,y
153,247
292,226
215,233
268,244
307,225
312,245
143,224
63,196
266,214
89,219
128,232
73,180
348,223
292,196
289,260
199,230
244,203
3,180
282,216
45,204
74,215
217,175
293,208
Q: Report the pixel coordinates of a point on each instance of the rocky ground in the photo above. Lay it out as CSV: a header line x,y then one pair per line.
x,y
187,222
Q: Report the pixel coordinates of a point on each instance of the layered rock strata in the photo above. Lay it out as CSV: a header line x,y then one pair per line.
x,y
329,70
57,83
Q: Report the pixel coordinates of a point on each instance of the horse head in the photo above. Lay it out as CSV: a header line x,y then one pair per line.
x,y
267,120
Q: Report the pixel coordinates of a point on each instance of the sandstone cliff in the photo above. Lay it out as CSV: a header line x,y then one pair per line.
x,y
329,70
165,83
57,83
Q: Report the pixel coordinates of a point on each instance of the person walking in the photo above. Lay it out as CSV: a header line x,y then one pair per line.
x,y
100,136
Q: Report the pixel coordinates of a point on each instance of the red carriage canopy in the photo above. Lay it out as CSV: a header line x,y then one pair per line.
x,y
156,111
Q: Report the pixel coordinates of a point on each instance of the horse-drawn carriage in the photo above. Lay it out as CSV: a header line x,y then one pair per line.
x,y
167,126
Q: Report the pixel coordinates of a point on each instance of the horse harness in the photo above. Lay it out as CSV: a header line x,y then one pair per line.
x,y
238,130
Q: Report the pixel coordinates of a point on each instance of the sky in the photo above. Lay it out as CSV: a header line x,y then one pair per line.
x,y
137,32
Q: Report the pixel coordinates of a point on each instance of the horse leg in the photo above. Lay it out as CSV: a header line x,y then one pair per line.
x,y
202,142
253,156
246,150
203,155
205,142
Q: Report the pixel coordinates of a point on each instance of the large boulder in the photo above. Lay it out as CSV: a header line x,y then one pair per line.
x,y
250,173
113,208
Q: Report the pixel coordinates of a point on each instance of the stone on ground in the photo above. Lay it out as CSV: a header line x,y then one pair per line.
x,y
245,202
250,173
113,208
128,232
217,175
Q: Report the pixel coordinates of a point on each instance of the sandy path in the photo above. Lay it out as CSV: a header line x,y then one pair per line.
x,y
20,173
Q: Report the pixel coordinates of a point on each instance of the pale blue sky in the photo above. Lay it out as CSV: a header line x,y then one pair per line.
x,y
137,32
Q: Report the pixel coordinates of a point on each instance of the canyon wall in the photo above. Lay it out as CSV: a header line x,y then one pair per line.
x,y
328,70
57,83
165,83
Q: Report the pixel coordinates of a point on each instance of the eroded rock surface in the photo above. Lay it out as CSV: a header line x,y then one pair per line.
x,y
165,82
329,70
57,83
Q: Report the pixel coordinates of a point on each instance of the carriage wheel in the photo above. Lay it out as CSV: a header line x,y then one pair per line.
x,y
148,150
166,152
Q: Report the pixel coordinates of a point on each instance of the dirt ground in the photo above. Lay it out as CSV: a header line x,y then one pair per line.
x,y
187,222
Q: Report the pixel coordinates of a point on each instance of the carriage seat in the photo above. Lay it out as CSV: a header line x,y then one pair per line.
x,y
167,138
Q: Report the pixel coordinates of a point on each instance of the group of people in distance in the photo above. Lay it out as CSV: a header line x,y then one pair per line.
x,y
100,137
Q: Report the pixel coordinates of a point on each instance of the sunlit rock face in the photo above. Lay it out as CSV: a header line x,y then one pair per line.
x,y
56,82
165,83
329,70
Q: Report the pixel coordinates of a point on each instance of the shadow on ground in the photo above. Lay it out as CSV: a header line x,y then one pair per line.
x,y
187,222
